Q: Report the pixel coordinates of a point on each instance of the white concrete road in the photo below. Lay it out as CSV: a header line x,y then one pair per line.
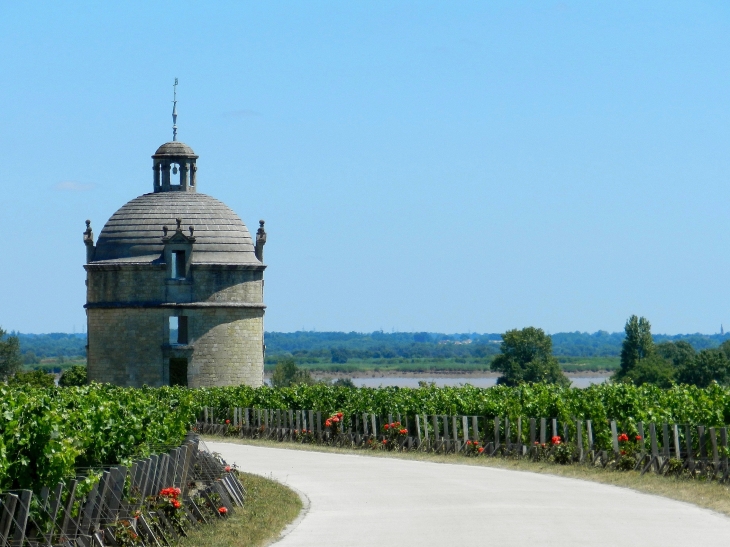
x,y
360,500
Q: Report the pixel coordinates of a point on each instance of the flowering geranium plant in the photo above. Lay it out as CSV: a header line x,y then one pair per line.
x,y
473,448
168,503
561,452
629,450
303,435
393,433
332,423
125,533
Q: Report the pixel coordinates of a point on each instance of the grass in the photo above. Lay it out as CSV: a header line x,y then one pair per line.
x,y
708,494
268,508
589,364
431,365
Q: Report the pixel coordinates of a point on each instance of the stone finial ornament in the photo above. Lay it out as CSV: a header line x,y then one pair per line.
x,y
89,242
192,230
88,234
164,231
179,222
260,241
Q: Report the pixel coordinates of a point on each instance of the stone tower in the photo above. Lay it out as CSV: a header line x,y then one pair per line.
x,y
175,287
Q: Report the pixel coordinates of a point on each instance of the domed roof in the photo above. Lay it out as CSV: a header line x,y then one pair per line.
x,y
134,233
174,148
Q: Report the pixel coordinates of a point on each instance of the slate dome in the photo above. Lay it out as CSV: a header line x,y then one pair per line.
x,y
134,233
175,148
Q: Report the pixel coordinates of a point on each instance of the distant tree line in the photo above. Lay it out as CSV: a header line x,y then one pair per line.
x,y
61,346
643,361
339,347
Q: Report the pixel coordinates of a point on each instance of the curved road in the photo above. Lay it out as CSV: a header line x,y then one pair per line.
x,y
360,500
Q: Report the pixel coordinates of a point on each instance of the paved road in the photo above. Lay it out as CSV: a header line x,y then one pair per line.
x,y
360,500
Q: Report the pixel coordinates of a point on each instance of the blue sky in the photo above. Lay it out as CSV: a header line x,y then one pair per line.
x,y
420,166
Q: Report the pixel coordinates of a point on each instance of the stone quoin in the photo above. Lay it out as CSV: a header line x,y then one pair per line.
x,y
175,287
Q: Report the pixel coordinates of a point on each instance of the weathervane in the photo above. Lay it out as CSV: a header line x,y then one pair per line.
x,y
174,111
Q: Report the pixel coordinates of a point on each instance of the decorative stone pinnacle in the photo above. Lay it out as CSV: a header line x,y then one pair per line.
x,y
88,234
164,231
179,222
191,230
260,241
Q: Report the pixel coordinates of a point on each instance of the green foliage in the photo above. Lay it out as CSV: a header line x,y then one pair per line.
x,y
344,382
10,361
35,378
527,357
339,355
679,353
652,370
30,358
637,345
707,367
56,344
288,374
75,376
45,434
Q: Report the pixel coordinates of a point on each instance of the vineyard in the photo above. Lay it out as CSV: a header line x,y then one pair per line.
x,y
47,435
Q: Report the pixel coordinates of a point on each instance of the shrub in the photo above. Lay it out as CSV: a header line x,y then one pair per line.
x,y
35,378
75,376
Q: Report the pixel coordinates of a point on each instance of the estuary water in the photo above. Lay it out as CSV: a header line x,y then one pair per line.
x,y
578,381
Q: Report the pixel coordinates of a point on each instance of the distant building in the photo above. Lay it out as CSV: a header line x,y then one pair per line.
x,y
175,287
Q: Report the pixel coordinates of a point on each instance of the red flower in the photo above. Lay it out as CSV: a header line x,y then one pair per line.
x,y
555,439
222,510
339,414
385,441
328,423
623,452
386,426
403,432
537,443
228,468
335,419
638,437
623,438
481,450
228,421
468,443
176,504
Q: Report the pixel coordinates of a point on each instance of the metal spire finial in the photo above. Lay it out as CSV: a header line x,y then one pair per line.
x,y
174,111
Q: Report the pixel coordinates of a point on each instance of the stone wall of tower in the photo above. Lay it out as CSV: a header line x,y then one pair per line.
x,y
143,283
125,346
130,347
227,347
129,309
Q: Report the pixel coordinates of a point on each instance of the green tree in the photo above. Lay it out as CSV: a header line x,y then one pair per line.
x,y
10,360
637,345
339,355
679,354
30,358
709,365
286,373
725,348
653,369
344,382
34,378
527,356
74,376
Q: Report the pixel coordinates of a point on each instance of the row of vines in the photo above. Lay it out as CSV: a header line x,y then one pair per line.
x,y
49,434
